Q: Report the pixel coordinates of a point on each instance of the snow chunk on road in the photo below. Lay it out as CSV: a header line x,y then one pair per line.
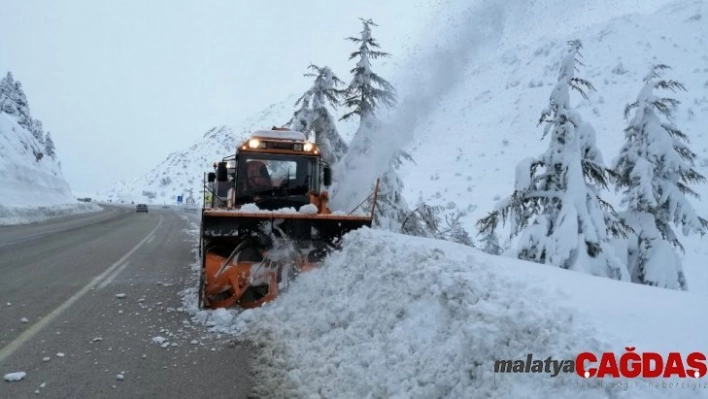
x,y
121,295
24,320
13,377
221,319
159,339
120,377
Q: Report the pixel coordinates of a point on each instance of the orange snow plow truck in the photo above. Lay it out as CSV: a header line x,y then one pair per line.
x,y
265,218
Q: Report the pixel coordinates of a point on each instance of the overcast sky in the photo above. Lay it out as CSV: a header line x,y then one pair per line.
x,y
121,84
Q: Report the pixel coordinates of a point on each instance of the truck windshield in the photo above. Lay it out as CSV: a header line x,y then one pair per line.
x,y
273,174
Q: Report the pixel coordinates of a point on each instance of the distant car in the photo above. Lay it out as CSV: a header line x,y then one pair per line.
x,y
141,208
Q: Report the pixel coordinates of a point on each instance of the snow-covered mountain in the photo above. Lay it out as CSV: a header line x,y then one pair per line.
x,y
183,171
32,186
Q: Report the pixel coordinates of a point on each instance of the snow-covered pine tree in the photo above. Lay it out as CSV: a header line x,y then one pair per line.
x,y
302,118
653,171
25,120
7,95
49,147
367,90
490,243
432,222
313,115
37,130
13,100
365,94
455,232
555,209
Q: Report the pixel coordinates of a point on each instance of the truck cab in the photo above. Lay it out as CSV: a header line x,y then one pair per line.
x,y
273,169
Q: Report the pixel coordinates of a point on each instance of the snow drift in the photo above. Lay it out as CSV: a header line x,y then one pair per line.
x,y
402,317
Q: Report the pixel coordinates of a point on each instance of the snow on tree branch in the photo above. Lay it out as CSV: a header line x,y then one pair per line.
x,y
556,214
653,172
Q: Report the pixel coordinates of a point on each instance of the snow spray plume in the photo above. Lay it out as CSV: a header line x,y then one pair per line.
x,y
429,76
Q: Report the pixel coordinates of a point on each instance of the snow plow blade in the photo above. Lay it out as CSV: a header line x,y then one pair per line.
x,y
217,223
244,267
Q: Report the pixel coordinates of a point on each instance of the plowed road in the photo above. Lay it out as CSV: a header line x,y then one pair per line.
x,y
85,302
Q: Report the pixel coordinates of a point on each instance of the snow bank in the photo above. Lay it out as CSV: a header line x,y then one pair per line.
x,y
23,178
404,317
31,190
10,215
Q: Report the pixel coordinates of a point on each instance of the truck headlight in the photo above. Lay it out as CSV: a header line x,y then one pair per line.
x,y
308,147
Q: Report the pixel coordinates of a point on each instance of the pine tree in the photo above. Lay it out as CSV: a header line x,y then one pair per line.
x,y
556,211
313,115
653,171
490,243
13,100
25,119
302,118
7,95
362,94
365,94
49,148
431,222
455,232
37,130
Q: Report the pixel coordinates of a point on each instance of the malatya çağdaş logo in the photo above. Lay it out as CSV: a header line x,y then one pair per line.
x,y
630,364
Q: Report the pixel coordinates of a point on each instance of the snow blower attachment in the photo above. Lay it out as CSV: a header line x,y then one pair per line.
x,y
265,219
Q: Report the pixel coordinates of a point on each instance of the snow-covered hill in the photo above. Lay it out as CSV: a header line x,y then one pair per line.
x,y
31,189
183,171
489,121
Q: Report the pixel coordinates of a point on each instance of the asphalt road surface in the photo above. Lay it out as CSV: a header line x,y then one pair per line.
x,y
86,301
